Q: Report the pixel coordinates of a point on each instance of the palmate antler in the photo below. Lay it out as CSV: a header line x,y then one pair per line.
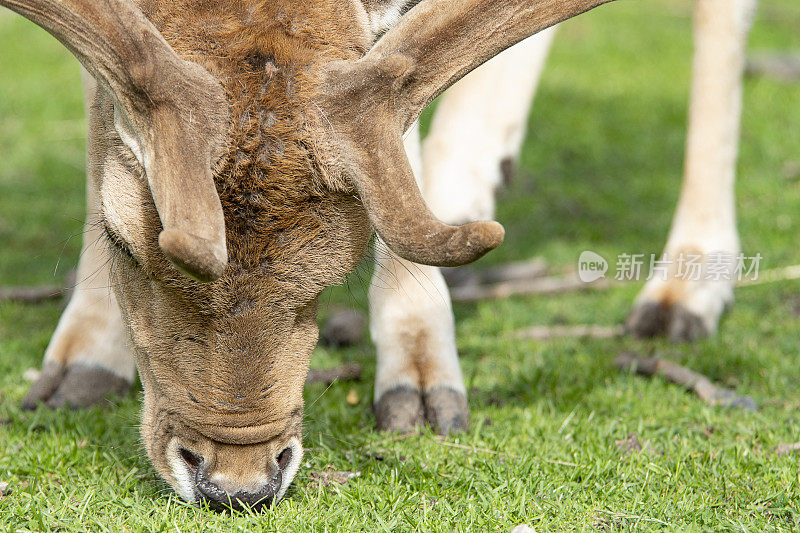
x,y
176,112
178,116
372,102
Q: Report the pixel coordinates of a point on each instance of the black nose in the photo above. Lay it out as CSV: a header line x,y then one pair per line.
x,y
218,499
221,500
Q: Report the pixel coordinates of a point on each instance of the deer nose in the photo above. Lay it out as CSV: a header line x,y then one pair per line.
x,y
209,491
221,500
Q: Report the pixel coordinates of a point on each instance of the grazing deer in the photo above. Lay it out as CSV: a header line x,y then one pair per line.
x,y
240,154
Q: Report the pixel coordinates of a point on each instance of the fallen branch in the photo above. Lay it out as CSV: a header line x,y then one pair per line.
x,y
344,327
786,449
34,294
473,291
772,275
637,518
698,383
781,66
329,476
550,285
348,372
39,293
592,331
517,271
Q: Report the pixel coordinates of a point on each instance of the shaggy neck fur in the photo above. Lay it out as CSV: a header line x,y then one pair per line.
x,y
291,230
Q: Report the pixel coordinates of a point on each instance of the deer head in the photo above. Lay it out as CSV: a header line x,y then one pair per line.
x,y
248,149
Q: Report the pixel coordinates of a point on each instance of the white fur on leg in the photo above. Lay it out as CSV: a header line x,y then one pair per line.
x,y
411,321
705,219
479,122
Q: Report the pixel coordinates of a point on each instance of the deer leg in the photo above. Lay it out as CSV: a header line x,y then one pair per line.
x,y
418,376
88,356
479,124
683,305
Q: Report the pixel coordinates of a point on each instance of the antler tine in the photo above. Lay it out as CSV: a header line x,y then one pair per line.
x,y
373,101
175,112
385,182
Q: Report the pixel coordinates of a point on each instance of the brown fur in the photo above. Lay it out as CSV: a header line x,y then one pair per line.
x,y
419,359
225,362
309,124
674,291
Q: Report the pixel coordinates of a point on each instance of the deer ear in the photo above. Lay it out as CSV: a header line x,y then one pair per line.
x,y
176,111
370,103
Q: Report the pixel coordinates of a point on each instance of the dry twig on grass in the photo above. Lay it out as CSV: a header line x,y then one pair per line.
x,y
348,372
39,293
550,285
698,383
786,449
781,66
772,275
579,331
474,449
36,294
516,271
328,476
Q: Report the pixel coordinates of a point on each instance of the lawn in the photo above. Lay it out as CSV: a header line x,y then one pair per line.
x,y
601,169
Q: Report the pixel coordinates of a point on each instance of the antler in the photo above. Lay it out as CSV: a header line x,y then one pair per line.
x,y
175,111
373,101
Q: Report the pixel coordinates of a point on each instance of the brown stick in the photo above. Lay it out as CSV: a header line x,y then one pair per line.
x,y
592,331
348,372
698,383
34,294
786,449
781,66
551,285
516,271
772,275
791,170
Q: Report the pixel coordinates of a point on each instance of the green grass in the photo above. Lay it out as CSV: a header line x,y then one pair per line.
x,y
604,161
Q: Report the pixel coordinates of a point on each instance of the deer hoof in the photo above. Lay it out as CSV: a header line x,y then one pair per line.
x,y
400,410
653,319
446,410
76,386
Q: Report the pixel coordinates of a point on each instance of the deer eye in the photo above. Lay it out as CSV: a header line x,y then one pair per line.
x,y
116,243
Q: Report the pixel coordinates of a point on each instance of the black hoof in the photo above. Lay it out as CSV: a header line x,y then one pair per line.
x,y
686,326
653,319
446,410
400,410
77,386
